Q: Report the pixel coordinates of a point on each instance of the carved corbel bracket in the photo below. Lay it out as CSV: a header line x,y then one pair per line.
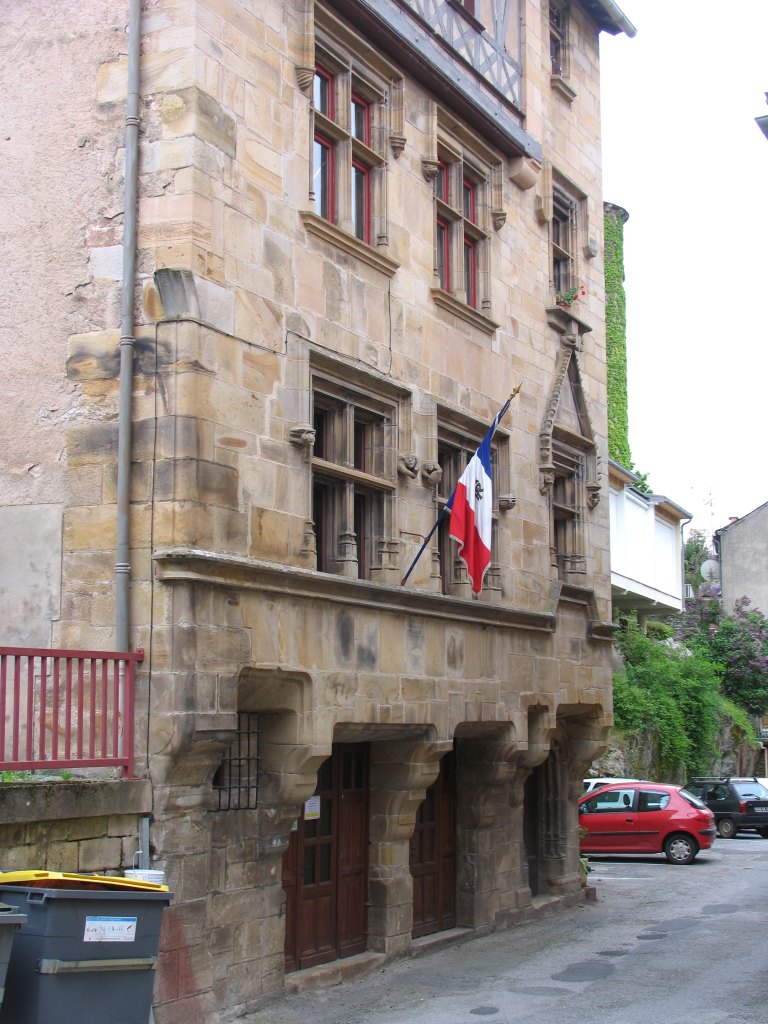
x,y
302,436
408,465
524,171
546,478
593,494
429,169
431,473
397,144
507,502
304,76
499,218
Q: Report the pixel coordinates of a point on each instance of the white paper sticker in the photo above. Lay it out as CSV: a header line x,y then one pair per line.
x,y
312,809
110,929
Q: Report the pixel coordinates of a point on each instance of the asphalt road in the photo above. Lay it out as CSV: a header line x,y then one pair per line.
x,y
662,945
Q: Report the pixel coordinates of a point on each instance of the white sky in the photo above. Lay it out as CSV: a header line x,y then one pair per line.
x,y
683,155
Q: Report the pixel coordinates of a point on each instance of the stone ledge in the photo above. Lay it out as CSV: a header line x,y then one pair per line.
x,y
334,973
22,802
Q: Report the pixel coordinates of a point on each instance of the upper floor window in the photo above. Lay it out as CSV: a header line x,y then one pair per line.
x,y
347,164
454,449
564,231
353,477
461,236
558,37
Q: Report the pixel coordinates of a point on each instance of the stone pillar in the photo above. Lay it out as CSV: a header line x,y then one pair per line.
x,y
489,864
401,773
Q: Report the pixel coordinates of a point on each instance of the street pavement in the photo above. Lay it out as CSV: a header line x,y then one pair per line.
x,y
662,944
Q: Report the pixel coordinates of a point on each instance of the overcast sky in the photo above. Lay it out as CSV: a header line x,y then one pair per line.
x,y
683,155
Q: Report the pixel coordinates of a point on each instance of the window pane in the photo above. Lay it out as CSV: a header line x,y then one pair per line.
x,y
469,200
360,461
470,272
362,515
361,201
321,517
321,93
443,260
322,178
441,182
361,120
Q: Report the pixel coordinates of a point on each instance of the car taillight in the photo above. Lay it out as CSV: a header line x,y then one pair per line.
x,y
742,807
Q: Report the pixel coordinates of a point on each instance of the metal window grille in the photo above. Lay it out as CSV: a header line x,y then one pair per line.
x,y
237,778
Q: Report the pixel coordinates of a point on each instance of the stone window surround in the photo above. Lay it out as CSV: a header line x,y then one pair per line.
x,y
355,68
464,156
558,34
460,435
348,483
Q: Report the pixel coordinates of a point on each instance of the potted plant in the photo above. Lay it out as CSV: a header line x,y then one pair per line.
x,y
567,298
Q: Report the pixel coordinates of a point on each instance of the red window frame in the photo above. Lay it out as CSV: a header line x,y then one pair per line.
x,y
361,174
444,253
470,271
441,181
327,78
325,195
358,103
469,197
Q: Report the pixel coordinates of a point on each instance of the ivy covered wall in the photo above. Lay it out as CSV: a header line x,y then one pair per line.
x,y
616,335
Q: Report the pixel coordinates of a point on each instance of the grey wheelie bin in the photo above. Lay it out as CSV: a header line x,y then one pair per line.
x,y
10,921
87,951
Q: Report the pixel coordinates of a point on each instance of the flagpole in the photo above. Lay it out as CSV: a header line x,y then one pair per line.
x,y
427,539
447,505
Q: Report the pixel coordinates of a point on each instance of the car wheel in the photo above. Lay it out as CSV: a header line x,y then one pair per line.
x,y
680,849
726,828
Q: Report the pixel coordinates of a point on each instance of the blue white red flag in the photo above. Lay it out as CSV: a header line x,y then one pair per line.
x,y
471,506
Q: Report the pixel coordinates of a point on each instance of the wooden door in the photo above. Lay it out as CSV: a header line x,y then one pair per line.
x,y
325,869
433,855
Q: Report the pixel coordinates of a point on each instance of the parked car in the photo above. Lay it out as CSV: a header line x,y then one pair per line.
x,y
591,784
737,803
646,817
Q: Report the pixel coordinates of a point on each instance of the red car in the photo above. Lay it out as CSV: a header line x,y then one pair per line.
x,y
646,817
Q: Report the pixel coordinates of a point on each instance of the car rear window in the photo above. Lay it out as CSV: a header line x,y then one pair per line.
x,y
750,790
693,800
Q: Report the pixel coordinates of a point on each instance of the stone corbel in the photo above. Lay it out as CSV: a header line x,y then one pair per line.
x,y
546,479
431,473
397,144
397,138
499,218
524,171
430,168
302,435
593,494
304,76
408,465
507,502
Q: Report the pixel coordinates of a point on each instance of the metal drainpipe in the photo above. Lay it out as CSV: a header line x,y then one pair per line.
x,y
122,562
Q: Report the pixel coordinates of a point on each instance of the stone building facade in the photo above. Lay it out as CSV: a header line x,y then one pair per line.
x,y
360,225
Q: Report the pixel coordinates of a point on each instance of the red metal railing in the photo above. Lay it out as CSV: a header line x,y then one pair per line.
x,y
66,708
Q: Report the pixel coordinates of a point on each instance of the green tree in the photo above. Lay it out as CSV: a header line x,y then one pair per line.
x,y
696,553
739,643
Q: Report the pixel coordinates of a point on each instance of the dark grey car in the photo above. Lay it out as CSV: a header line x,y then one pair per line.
x,y
737,803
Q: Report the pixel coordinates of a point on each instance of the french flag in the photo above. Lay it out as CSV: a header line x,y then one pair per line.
x,y
471,507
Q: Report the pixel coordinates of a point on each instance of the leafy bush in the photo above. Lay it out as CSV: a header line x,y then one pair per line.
x,y
672,692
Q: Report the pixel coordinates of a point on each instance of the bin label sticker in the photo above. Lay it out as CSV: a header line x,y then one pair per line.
x,y
110,929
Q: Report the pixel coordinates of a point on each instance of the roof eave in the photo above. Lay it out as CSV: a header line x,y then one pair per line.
x,y
609,17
